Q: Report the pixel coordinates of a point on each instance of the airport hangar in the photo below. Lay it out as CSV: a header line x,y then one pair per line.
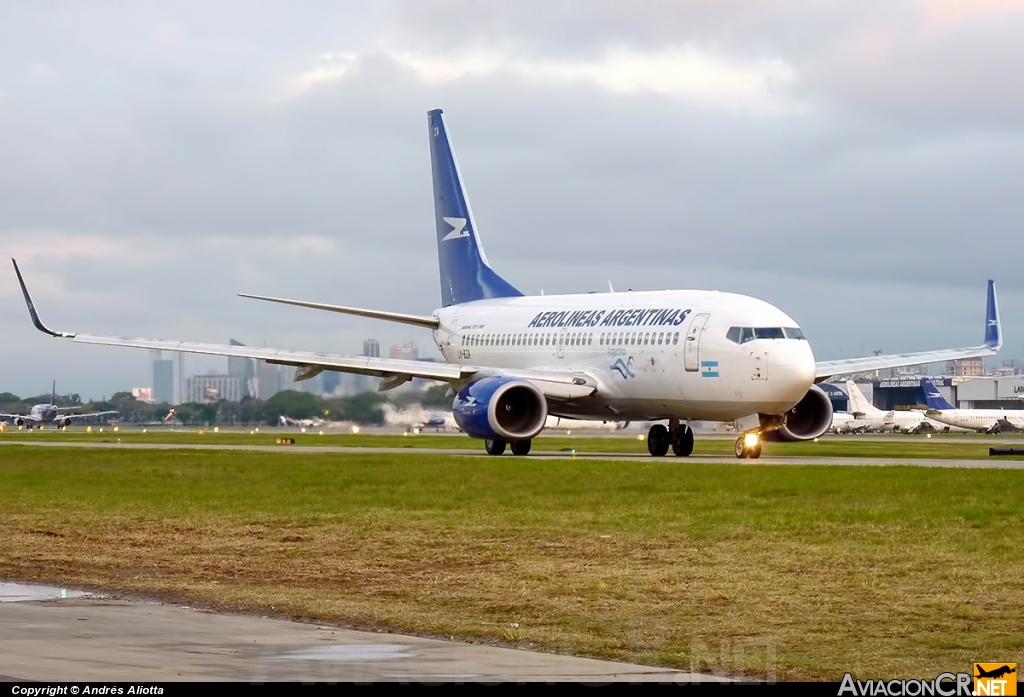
x,y
992,392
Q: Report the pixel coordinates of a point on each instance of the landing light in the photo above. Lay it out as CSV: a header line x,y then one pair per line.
x,y
117,429
416,431
750,440
88,429
355,429
303,429
929,435
641,437
216,429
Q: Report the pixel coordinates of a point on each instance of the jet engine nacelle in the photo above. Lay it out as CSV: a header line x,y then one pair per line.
x,y
63,423
810,418
502,408
19,422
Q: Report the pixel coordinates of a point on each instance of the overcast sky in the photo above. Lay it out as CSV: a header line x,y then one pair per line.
x,y
859,165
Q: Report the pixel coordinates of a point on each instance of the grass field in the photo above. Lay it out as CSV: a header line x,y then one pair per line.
x,y
785,572
897,446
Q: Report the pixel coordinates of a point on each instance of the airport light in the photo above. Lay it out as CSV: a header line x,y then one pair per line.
x,y
88,429
321,433
355,428
216,429
641,437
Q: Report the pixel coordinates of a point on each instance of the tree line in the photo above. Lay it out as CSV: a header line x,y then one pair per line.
x,y
362,408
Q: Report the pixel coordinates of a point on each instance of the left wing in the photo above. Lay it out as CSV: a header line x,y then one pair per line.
x,y
86,416
554,383
993,342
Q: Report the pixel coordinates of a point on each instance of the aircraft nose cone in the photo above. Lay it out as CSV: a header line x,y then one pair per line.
x,y
791,370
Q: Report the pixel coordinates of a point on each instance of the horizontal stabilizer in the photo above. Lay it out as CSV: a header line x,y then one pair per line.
x,y
417,320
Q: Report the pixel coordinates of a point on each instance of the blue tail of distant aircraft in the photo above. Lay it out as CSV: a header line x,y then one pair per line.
x,y
465,273
53,394
932,397
993,335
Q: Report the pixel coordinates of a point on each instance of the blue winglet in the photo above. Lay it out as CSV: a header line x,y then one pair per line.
x,y
465,273
932,397
993,335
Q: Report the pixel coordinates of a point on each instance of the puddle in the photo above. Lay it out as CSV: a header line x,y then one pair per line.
x,y
23,592
351,653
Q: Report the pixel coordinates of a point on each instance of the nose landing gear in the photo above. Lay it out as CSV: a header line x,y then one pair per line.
x,y
748,445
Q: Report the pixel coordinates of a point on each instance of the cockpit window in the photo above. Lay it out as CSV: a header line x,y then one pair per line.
x,y
769,333
741,335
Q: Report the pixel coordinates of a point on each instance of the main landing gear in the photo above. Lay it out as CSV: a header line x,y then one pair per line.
x,y
677,436
748,445
497,446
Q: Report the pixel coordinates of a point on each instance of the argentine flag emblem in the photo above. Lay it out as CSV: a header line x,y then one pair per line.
x,y
709,369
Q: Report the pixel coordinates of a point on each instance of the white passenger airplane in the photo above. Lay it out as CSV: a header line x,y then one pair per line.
x,y
984,420
512,360
49,413
868,417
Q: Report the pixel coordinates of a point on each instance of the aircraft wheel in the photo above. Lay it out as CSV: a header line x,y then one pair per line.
x,y
682,445
741,448
658,440
495,447
521,447
754,452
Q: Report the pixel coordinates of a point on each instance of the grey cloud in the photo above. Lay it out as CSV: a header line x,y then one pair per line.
x,y
870,208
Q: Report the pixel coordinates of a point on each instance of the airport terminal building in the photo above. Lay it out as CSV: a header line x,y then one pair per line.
x,y
994,392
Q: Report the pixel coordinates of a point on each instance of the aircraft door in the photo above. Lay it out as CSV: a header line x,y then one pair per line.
x,y
560,348
691,344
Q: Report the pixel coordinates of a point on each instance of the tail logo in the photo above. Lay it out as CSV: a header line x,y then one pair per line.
x,y
458,229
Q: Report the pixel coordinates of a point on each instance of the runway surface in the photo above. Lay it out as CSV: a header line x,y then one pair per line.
x,y
90,638
991,463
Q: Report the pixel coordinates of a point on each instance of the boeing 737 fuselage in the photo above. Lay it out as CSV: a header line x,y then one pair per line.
x,y
513,360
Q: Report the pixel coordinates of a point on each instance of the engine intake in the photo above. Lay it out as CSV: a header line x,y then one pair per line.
x,y
500,408
810,418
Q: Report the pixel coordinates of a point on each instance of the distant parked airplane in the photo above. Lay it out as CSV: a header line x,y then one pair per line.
x,y
984,420
49,413
868,417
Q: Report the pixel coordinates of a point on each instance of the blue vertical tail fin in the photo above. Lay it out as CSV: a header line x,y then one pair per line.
x,y
465,273
993,335
53,394
932,397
